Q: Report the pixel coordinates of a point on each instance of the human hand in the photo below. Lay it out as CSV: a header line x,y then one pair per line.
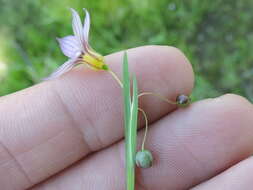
x,y
68,133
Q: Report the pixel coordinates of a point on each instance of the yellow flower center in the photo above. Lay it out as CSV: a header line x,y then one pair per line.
x,y
95,62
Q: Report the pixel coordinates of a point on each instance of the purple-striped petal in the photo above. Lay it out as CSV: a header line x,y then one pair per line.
x,y
69,46
67,66
77,28
86,26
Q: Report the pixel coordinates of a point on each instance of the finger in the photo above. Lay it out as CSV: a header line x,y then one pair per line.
x,y
52,125
189,146
238,177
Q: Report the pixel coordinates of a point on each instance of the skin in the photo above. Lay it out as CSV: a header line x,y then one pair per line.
x,y
68,133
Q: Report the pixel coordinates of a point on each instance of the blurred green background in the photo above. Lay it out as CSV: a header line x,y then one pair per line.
x,y
216,36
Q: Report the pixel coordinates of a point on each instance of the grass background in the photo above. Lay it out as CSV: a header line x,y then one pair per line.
x,y
216,36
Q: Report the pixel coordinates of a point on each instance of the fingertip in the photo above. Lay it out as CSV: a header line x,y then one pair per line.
x,y
177,64
183,64
169,64
235,99
230,106
227,103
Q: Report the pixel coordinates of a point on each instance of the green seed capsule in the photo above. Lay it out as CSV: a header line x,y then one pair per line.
x,y
183,100
144,159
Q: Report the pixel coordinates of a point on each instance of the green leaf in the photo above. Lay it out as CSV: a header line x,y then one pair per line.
x,y
134,118
126,91
130,118
132,136
127,105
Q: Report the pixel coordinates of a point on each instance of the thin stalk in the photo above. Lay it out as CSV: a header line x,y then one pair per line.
x,y
158,96
116,78
146,128
132,135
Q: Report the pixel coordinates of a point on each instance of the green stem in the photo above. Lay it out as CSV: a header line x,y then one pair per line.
x,y
158,96
141,110
116,78
146,128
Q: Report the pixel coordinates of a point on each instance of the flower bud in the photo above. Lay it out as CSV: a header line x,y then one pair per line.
x,y
144,159
183,100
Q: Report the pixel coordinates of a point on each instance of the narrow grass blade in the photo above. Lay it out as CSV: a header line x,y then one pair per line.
x,y
126,92
134,118
127,105
130,122
132,135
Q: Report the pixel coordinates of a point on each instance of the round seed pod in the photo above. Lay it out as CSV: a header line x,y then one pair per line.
x,y
144,159
183,100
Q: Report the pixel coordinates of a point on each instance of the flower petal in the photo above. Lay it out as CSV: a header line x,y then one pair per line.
x,y
69,46
86,26
77,28
67,66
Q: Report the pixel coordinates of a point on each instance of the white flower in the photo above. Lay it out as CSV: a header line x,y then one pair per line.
x,y
76,47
